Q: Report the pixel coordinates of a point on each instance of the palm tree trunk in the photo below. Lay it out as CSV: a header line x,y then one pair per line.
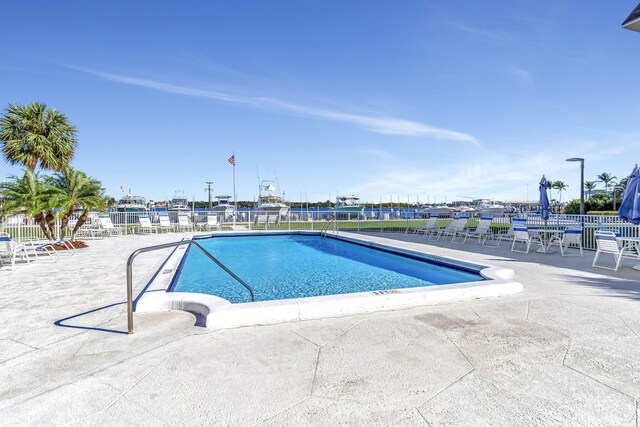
x,y
50,219
39,218
64,222
83,218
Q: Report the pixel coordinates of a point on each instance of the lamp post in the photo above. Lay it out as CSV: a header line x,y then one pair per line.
x,y
209,183
581,160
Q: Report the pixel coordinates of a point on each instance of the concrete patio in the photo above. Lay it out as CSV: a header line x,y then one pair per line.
x,y
566,351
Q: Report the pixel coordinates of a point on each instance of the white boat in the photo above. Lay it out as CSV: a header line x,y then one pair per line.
x,y
441,209
131,203
486,206
224,207
348,207
270,199
179,203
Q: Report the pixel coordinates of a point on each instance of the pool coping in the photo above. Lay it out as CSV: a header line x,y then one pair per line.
x,y
219,313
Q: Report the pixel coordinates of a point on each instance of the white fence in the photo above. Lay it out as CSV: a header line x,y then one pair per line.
x,y
21,227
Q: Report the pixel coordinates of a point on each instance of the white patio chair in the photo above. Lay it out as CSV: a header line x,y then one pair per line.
x,y
145,225
428,227
456,224
522,235
212,222
107,226
165,222
571,238
481,231
12,250
607,243
184,222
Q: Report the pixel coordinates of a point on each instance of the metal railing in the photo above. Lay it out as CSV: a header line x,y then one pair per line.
x,y
165,246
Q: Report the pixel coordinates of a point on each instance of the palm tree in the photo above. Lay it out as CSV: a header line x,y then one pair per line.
x,y
74,190
590,186
607,179
560,186
33,135
101,206
28,195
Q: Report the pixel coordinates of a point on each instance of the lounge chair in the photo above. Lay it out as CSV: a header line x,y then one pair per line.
x,y
607,243
107,226
184,222
212,222
522,235
260,220
165,222
145,225
571,238
273,220
482,231
455,226
12,250
428,227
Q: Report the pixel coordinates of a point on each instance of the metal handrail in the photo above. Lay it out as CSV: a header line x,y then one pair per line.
x,y
165,246
323,231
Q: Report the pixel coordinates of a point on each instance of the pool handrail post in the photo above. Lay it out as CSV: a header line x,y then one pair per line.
x,y
137,252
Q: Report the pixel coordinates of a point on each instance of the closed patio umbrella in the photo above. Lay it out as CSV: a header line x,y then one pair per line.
x,y
630,206
544,199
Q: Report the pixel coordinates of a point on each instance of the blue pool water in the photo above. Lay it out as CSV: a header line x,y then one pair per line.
x,y
294,266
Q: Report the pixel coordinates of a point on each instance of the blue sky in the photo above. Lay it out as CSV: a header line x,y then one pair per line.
x,y
419,99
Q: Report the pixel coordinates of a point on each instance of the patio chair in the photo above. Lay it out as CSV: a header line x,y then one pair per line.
x,y
212,221
571,238
184,222
481,231
428,227
12,250
607,243
455,226
522,235
260,220
145,224
107,226
505,234
273,220
165,222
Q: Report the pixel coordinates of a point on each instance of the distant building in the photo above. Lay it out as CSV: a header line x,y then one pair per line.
x,y
633,20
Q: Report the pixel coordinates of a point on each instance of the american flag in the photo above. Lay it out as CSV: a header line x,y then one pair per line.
x,y
232,160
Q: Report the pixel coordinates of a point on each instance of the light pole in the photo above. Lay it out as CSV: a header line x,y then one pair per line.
x,y
209,191
581,160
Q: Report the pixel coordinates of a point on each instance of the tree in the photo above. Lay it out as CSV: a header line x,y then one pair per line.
x,y
101,207
560,186
74,190
28,195
607,179
33,135
590,186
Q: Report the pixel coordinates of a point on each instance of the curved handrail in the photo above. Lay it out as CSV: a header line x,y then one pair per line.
x,y
137,252
325,228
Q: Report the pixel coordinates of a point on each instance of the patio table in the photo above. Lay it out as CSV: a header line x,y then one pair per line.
x,y
634,243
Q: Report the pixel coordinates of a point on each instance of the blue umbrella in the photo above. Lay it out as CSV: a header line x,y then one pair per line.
x,y
630,206
544,199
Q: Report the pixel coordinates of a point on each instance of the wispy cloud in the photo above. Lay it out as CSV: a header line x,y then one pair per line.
x,y
378,124
520,74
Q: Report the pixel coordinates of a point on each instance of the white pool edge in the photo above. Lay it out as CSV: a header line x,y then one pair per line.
x,y
221,314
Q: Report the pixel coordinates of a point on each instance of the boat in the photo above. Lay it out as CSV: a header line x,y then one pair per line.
x,y
270,199
486,206
441,209
348,207
223,207
131,203
179,203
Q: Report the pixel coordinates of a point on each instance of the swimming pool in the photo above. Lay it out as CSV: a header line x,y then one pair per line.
x,y
301,276
300,266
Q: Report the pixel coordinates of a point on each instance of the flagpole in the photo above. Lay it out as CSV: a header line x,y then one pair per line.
x,y
235,200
